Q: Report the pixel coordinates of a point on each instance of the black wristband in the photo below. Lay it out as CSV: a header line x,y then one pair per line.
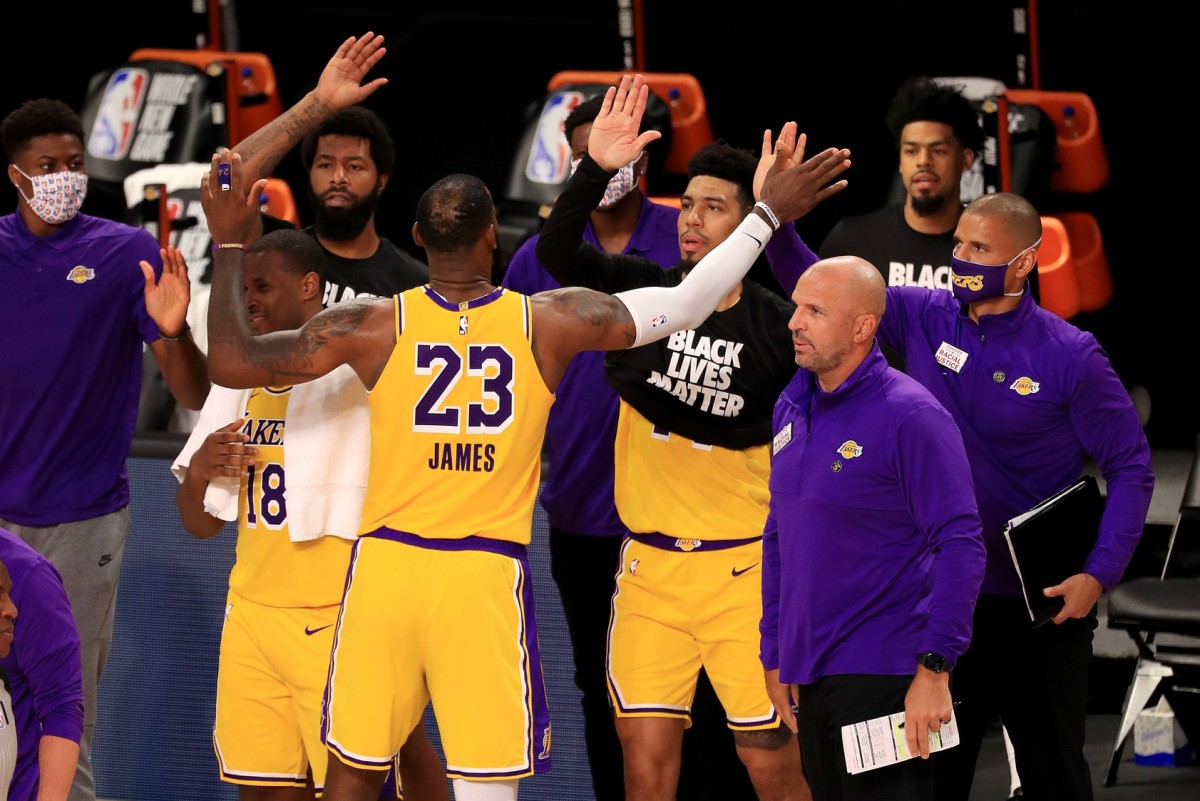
x,y
178,336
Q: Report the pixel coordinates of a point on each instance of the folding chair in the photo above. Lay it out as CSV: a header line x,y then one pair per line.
x,y
1148,607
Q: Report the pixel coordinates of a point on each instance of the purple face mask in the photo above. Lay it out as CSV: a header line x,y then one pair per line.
x,y
971,282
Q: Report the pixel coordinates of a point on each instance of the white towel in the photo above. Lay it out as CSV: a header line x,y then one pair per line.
x,y
326,454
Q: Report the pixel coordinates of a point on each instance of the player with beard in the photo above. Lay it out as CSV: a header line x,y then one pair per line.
x,y
939,137
348,155
349,158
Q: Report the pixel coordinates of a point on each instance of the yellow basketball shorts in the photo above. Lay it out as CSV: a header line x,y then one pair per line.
x,y
450,621
680,605
270,684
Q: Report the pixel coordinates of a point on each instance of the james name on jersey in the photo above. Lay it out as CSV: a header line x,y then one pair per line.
x,y
471,457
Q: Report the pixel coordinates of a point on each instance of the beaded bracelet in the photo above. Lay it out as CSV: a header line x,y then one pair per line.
x,y
225,245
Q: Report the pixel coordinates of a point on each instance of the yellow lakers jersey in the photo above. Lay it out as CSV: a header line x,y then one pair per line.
x,y
457,420
669,484
269,568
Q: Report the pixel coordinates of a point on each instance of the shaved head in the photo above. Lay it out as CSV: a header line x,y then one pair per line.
x,y
838,305
860,282
1020,221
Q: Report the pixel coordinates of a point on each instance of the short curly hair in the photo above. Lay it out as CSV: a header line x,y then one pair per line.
x,y
354,121
734,164
921,98
35,118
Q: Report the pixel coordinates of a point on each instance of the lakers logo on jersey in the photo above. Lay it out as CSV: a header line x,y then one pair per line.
x,y
81,274
1025,386
545,744
687,545
849,449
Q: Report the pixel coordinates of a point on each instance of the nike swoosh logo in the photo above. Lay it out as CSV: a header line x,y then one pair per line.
x,y
760,244
311,632
737,572
104,560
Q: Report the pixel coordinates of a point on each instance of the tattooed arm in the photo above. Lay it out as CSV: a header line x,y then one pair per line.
x,y
572,319
360,333
339,86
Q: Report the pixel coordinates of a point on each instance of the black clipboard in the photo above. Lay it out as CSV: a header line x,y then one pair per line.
x,y
1052,541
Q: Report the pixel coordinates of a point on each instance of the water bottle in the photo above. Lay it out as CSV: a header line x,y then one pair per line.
x,y
1071,129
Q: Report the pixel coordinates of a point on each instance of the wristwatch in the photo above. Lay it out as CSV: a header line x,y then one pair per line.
x,y
935,662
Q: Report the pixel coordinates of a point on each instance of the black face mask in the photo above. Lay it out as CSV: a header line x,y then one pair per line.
x,y
343,224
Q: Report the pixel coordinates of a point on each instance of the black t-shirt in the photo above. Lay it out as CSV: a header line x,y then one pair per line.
x,y
903,256
740,358
388,272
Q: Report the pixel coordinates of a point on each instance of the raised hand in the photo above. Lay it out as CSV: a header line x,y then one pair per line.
x,y
340,84
792,192
787,139
232,213
615,141
167,297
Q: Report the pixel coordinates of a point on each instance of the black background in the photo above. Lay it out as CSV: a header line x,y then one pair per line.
x,y
463,74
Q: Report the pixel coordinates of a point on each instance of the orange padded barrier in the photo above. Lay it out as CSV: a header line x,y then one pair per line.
x,y
281,202
1057,284
1082,159
690,128
246,112
1091,265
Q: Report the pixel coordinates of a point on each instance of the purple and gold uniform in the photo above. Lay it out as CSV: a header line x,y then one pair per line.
x,y
688,591
696,407
438,604
282,604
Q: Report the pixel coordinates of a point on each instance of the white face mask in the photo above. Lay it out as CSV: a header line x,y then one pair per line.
x,y
618,187
58,196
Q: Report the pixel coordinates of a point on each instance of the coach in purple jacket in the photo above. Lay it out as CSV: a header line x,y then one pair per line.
x,y
1034,398
45,676
872,551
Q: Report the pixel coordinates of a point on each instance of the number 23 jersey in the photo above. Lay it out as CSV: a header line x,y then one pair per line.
x,y
457,420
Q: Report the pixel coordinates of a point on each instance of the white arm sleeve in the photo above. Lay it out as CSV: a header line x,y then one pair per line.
x,y
660,311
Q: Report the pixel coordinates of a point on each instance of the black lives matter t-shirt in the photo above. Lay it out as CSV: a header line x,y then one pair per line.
x,y
388,272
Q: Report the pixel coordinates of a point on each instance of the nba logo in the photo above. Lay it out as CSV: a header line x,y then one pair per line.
x,y
550,154
116,121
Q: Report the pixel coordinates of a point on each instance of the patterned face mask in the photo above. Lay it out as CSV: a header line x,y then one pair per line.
x,y
618,187
58,196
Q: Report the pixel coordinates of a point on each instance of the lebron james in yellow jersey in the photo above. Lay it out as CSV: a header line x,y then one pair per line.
x,y
459,379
